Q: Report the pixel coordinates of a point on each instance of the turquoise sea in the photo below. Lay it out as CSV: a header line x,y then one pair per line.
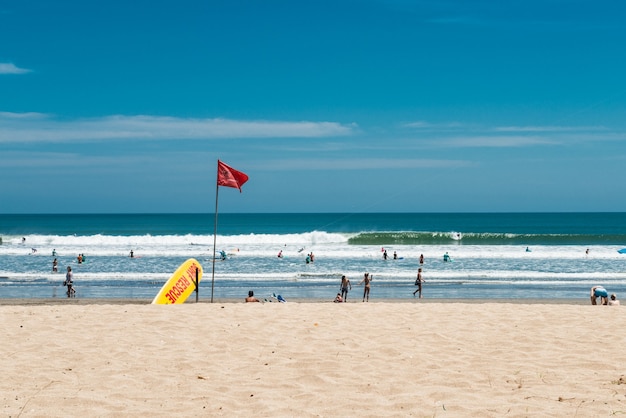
x,y
494,255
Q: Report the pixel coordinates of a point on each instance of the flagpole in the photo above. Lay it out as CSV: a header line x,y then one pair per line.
x,y
217,188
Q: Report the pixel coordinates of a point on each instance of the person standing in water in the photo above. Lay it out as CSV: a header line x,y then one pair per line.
x,y
418,283
55,265
69,282
367,279
345,283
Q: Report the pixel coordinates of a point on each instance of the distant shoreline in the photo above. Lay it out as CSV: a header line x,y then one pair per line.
x,y
142,301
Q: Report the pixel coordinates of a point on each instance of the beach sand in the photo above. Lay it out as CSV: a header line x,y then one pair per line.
x,y
321,359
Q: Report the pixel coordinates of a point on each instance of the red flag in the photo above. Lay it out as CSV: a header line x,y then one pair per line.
x,y
229,177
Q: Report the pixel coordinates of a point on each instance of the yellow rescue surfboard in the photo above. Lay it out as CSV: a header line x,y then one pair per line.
x,y
182,283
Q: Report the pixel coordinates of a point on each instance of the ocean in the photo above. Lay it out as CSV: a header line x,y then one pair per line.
x,y
494,255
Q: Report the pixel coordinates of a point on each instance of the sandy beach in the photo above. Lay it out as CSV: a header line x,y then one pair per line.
x,y
312,359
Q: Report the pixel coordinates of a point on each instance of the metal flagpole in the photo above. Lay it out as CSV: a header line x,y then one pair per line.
x,y
217,188
197,289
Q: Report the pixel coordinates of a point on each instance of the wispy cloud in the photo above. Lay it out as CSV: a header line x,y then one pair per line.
x,y
10,68
36,127
421,124
549,128
497,141
358,164
475,136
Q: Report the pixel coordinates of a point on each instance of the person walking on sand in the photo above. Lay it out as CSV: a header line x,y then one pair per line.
x,y
345,284
367,279
418,283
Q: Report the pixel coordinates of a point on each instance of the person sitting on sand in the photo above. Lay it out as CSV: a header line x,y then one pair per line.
x,y
599,292
251,297
338,298
613,301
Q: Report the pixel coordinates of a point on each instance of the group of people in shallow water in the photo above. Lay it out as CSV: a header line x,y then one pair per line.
x,y
345,285
309,257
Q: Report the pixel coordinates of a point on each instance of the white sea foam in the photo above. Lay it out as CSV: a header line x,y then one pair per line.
x,y
252,261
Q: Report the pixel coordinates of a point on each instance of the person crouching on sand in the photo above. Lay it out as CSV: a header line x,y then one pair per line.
x,y
599,292
613,301
338,299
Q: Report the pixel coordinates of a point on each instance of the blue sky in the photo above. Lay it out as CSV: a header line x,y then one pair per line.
x,y
329,106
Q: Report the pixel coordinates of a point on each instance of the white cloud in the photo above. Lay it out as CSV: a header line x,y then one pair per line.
x,y
549,128
495,141
357,164
36,127
10,68
420,124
